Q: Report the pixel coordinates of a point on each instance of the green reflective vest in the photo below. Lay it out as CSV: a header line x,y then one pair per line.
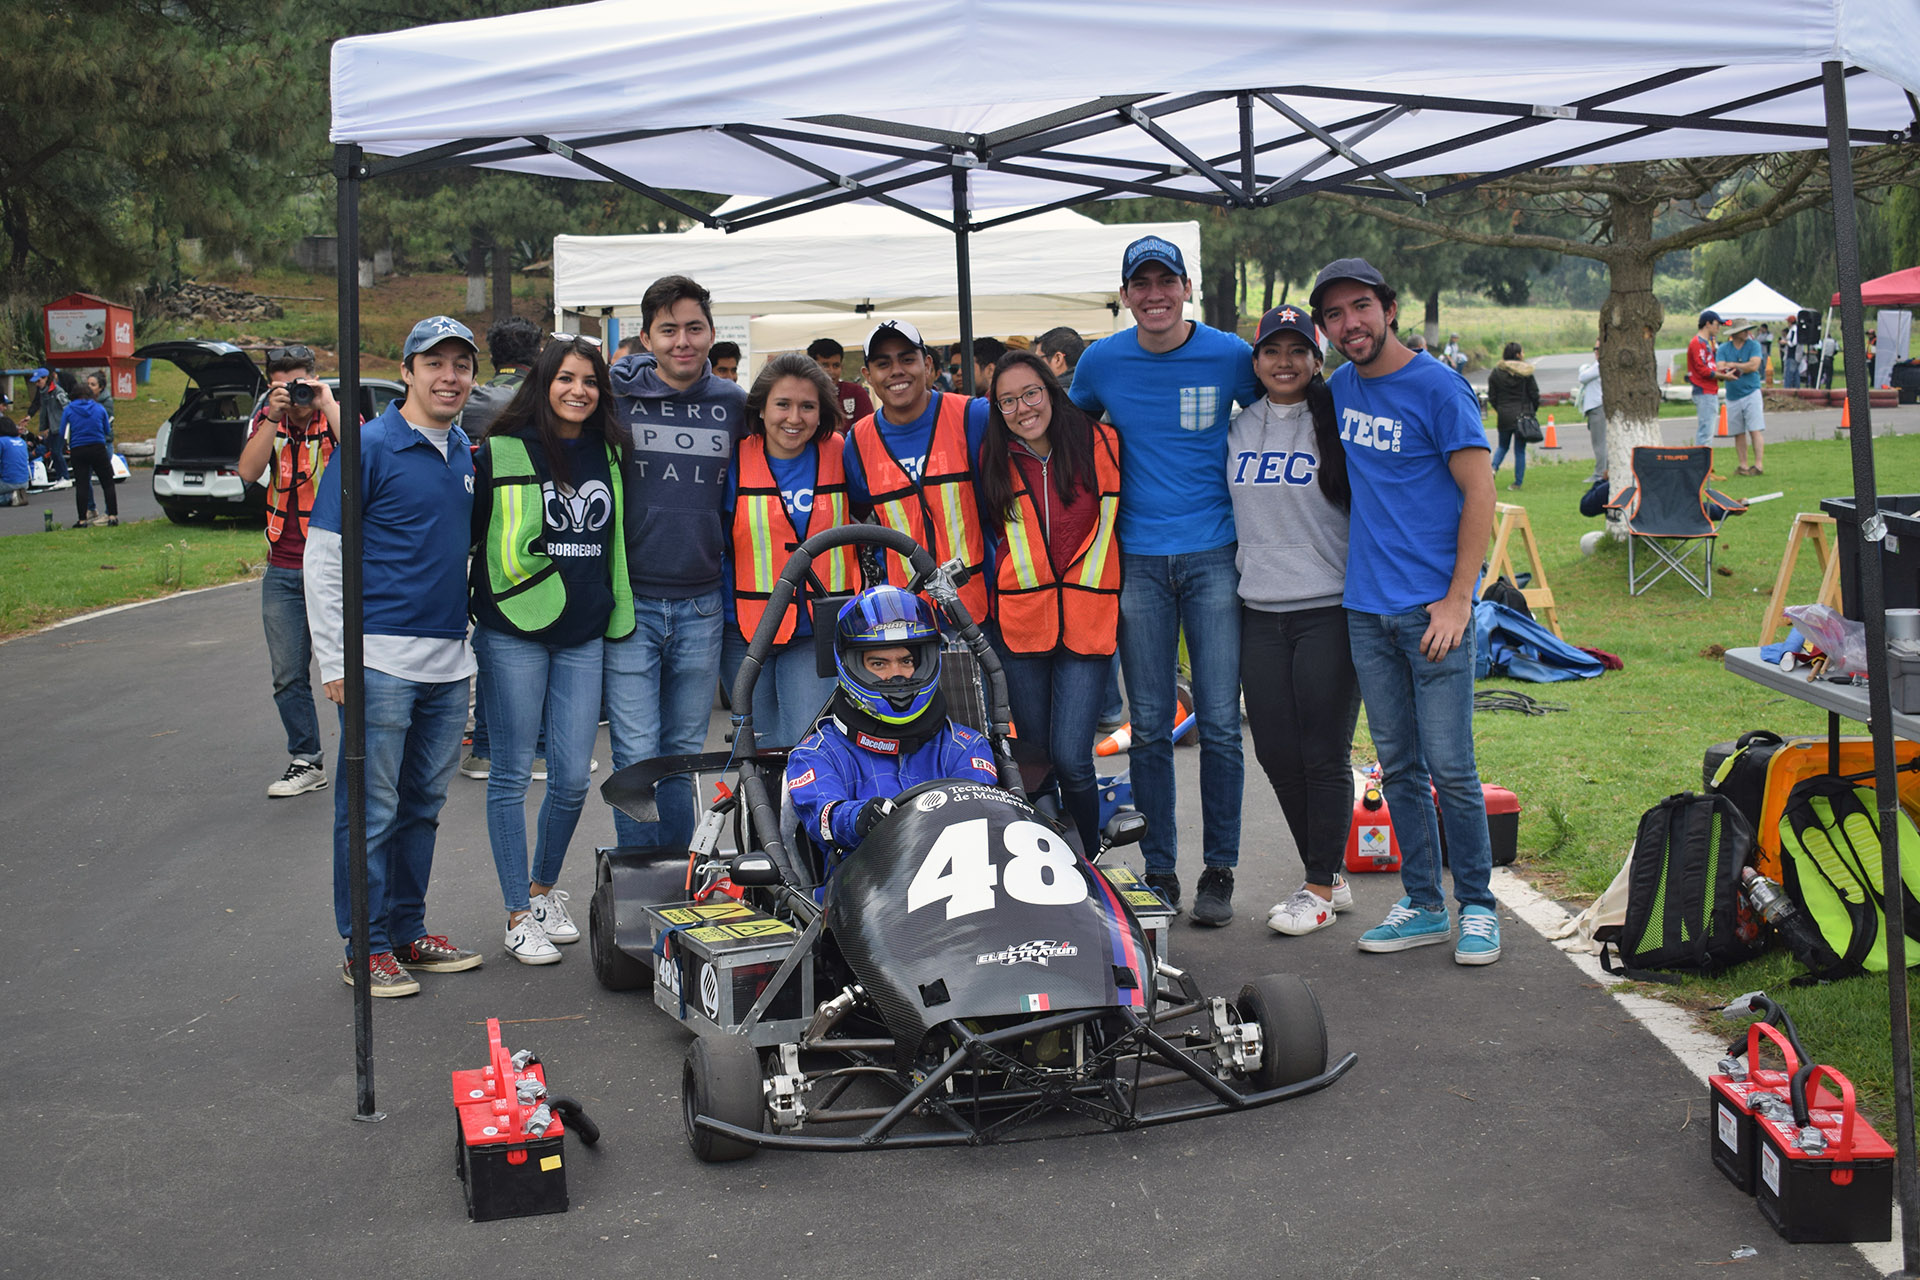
x,y
522,581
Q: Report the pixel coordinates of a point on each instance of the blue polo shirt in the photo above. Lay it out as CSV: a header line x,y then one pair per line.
x,y
1399,431
1172,410
417,513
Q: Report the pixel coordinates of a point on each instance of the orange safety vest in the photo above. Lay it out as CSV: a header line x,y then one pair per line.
x,y
287,477
764,534
939,511
1076,613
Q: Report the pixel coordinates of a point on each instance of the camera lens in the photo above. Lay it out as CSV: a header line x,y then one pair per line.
x,y
300,393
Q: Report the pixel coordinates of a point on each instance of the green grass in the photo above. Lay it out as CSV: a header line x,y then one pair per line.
x,y
1636,735
45,577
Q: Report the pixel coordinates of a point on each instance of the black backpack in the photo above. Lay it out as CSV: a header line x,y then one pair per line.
x,y
1685,911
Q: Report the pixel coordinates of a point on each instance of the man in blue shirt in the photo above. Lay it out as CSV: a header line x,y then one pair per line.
x,y
1169,385
1741,361
416,495
1422,514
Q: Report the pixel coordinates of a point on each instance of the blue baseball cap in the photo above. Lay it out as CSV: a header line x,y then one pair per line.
x,y
1152,249
1709,317
1356,269
434,330
39,375
1287,318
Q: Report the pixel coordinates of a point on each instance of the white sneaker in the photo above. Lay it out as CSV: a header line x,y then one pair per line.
x,y
301,776
476,767
527,942
1301,914
550,909
539,773
593,765
1342,893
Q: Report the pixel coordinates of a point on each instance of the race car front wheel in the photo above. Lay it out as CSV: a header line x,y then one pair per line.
x,y
616,970
1293,1033
721,1080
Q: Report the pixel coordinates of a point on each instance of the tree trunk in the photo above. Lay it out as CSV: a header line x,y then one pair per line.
x,y
1430,325
476,275
502,281
1266,295
1629,322
1220,309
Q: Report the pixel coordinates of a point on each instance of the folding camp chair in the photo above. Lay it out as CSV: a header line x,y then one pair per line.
x,y
1669,507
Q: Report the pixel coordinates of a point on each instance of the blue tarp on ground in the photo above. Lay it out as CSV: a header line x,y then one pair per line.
x,y
1513,646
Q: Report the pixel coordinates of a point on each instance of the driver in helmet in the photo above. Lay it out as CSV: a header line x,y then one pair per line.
x,y
886,729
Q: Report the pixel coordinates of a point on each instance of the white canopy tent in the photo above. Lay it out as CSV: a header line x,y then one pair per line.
x,y
835,272
962,106
1755,300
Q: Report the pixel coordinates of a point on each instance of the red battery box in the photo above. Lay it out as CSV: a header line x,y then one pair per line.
x,y
1730,1102
506,1171
1372,845
1838,1193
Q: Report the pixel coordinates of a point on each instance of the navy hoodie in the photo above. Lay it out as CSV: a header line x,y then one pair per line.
x,y
676,476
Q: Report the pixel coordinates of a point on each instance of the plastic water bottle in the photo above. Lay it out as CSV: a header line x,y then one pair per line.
x,y
48,525
1768,898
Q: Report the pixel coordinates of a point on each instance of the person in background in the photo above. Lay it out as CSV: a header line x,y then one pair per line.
x,y
1422,512
84,426
103,396
681,424
1287,473
788,483
1740,362
1790,352
416,505
631,345
1590,396
855,403
1061,347
16,468
1416,343
986,354
1514,393
955,374
49,406
1766,353
1453,357
1168,385
725,359
547,585
290,444
1703,374
1050,493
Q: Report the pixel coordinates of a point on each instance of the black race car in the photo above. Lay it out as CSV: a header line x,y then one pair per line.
x,y
970,975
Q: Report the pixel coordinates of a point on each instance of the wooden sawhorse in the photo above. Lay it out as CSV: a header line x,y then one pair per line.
x,y
1805,525
1509,518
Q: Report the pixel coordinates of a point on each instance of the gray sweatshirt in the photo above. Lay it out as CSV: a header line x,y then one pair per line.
x,y
1293,541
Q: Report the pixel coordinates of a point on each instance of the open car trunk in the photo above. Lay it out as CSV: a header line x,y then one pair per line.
x,y
209,426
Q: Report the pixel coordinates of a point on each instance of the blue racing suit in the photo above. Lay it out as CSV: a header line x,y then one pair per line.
x,y
829,778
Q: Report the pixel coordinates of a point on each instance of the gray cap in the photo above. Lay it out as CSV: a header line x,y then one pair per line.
x,y
1343,269
434,330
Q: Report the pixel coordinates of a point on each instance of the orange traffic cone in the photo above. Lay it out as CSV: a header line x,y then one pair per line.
x,y
1669,375
1723,417
1552,440
1846,414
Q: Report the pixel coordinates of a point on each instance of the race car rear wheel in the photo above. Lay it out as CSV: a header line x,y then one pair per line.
x,y
722,1080
616,970
1292,1031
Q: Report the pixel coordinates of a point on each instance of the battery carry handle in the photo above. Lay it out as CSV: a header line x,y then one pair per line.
x,y
1802,1085
1752,1047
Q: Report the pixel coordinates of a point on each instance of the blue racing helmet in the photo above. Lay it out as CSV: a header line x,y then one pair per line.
x,y
888,618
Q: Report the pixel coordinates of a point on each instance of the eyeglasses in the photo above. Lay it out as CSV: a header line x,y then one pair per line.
x,y
574,337
295,352
1031,398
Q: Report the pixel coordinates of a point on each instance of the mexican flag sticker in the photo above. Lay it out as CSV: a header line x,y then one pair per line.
x,y
1035,1004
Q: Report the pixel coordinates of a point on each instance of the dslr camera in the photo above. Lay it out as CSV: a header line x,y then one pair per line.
x,y
300,394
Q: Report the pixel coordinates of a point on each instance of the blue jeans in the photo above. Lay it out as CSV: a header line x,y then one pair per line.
x,y
1055,701
659,695
1708,410
482,743
1790,369
413,747
1159,596
1113,707
1420,714
8,490
1510,438
787,694
529,684
283,611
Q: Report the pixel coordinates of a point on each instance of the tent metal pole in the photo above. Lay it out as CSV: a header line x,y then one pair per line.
x,y
1846,240
963,267
349,170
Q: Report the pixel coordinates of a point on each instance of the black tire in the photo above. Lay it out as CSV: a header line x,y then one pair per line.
x,y
722,1080
1292,1031
616,970
178,516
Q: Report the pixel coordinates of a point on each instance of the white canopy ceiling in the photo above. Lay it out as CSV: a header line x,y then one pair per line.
x,y
756,97
1756,300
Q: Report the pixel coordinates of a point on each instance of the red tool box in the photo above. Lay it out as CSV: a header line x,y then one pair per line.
x,y
508,1135
1837,1189
1372,845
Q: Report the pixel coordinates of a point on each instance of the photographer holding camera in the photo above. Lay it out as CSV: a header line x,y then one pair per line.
x,y
293,435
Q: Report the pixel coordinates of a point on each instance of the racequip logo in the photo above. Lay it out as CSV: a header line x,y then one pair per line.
x,y
1037,952
885,746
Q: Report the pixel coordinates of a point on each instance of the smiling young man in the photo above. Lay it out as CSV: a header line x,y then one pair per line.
x,y
681,423
416,502
1169,385
1421,515
912,460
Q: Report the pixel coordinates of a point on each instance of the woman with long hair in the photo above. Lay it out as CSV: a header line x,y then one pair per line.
x,y
1049,481
1514,394
788,483
548,583
1287,474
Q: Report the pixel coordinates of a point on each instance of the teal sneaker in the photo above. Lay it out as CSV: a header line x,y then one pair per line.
x,y
1407,926
1479,936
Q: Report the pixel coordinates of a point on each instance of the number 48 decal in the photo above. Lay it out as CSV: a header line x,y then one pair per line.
x,y
959,871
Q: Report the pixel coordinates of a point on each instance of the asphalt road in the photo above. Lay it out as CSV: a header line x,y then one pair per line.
x,y
181,1062
135,495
